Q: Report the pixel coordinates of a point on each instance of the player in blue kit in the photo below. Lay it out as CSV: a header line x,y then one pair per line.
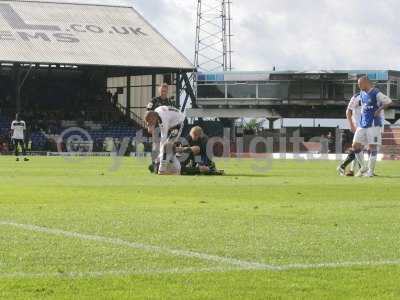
x,y
369,130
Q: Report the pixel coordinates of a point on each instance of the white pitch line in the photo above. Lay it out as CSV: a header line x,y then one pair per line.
x,y
148,248
182,271
96,274
237,265
337,265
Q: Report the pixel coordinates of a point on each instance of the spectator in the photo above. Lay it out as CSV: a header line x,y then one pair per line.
x,y
162,100
115,99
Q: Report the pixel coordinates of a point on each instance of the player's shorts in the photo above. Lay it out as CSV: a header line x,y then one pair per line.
x,y
17,142
173,137
169,163
175,134
368,136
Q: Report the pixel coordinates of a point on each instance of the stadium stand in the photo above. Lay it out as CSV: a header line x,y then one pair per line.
x,y
116,60
99,121
391,143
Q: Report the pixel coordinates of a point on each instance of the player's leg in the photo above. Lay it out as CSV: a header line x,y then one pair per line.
x,y
16,149
374,141
351,156
169,164
175,167
360,139
155,156
362,167
353,167
355,152
372,158
23,148
163,168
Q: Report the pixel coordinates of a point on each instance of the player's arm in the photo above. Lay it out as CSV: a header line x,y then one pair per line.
x,y
349,114
195,150
12,128
384,103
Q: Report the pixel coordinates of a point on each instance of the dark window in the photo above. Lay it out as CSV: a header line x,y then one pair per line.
x,y
275,90
393,91
336,91
348,91
382,87
242,91
211,91
311,89
295,90
339,91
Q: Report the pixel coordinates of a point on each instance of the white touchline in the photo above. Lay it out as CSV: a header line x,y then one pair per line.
x,y
336,265
144,247
90,274
183,271
236,264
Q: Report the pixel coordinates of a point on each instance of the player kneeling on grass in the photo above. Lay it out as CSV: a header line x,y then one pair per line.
x,y
170,122
18,128
196,160
369,130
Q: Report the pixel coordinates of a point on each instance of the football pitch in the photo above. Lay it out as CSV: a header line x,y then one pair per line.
x,y
104,229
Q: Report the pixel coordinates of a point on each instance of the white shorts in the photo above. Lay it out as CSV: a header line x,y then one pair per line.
x,y
169,163
368,136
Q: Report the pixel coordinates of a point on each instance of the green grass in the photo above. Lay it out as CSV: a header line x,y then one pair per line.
x,y
297,213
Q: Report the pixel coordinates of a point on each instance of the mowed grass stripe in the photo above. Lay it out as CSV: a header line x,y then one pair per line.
x,y
239,264
115,273
139,246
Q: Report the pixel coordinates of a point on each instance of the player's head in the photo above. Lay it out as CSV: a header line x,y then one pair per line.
x,y
17,116
364,84
164,88
196,133
151,118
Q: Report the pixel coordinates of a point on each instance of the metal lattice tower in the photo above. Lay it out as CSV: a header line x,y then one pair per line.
x,y
213,50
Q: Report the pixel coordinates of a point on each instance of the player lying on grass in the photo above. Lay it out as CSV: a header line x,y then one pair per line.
x,y
369,130
194,152
18,128
169,121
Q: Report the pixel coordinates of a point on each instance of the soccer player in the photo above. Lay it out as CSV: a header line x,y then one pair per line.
x,y
353,115
170,122
18,128
369,130
161,100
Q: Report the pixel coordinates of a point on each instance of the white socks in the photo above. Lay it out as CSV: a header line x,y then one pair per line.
x,y
372,162
360,159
